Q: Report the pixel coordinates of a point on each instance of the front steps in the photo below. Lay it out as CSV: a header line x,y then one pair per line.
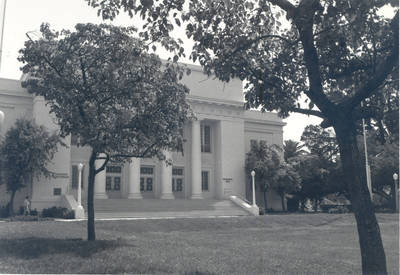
x,y
157,208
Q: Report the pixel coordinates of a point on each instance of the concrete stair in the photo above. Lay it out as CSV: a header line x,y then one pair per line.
x,y
156,208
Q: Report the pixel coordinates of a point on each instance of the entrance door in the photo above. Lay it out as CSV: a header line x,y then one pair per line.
x,y
113,181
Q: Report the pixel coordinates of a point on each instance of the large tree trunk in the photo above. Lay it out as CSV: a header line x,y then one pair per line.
x,y
11,205
372,251
90,205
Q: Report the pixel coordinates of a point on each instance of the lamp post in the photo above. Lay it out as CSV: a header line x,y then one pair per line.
x,y
79,211
367,168
396,190
253,174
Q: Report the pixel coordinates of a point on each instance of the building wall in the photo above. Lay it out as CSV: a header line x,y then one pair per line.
x,y
16,103
217,104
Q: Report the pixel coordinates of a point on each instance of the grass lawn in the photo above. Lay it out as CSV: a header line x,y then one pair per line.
x,y
274,244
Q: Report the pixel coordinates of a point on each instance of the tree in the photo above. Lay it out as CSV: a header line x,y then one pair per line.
x,y
320,142
287,181
265,161
314,177
26,151
335,54
102,85
292,149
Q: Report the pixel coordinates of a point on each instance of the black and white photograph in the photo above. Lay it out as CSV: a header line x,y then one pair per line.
x,y
199,137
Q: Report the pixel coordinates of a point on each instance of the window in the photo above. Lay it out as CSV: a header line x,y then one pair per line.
x,y
146,179
177,179
205,133
204,180
113,169
75,176
57,191
113,178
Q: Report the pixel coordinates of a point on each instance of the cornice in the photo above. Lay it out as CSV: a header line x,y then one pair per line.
x,y
214,101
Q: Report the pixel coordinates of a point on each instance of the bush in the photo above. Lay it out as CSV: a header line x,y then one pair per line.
x,y
58,212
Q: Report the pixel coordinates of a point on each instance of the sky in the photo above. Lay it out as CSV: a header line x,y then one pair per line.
x,y
24,16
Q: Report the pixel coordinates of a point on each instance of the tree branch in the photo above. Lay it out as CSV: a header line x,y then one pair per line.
x,y
308,112
382,71
285,5
101,168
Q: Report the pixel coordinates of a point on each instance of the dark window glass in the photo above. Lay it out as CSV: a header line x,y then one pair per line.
x,y
205,132
179,185
149,184
57,191
113,169
117,183
146,170
108,183
204,180
74,176
177,171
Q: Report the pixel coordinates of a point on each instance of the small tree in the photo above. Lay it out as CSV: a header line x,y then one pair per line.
x,y
26,152
287,181
265,161
103,86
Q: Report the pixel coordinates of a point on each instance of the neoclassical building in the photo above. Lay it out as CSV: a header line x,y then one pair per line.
x,y
211,166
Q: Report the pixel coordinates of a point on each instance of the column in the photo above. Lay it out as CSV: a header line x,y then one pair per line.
x,y
196,161
166,178
134,179
100,181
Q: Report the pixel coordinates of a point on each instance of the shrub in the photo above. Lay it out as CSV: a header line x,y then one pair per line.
x,y
58,212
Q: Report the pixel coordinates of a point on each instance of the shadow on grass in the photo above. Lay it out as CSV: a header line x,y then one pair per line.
x,y
31,248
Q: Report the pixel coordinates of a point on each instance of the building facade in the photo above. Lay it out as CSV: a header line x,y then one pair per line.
x,y
210,167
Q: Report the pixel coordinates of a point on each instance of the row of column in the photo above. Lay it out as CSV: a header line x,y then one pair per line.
x,y
166,173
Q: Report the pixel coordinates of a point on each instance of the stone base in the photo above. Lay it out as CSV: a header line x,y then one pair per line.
x,y
196,196
101,196
168,196
79,212
137,196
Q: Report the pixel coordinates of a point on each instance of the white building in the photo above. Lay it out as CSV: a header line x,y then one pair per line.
x,y
212,165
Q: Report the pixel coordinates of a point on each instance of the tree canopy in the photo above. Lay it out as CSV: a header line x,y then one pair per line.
x,y
103,86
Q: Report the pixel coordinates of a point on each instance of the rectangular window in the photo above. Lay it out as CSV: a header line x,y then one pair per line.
x,y
146,179
204,180
75,175
177,179
57,191
117,183
108,183
205,133
113,169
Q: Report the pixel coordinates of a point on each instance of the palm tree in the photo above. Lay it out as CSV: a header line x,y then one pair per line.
x,y
292,149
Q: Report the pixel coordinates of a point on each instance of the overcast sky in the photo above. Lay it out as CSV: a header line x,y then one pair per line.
x,y
26,16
